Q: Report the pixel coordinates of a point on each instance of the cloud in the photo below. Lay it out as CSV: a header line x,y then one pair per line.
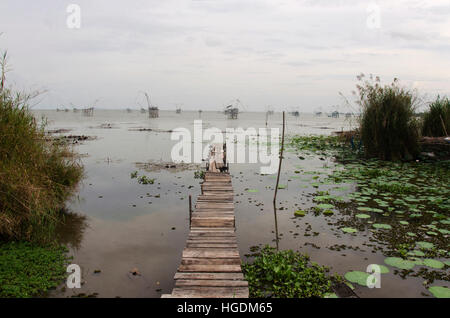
x,y
194,49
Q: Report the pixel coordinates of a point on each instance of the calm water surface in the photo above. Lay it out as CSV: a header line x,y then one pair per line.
x,y
130,226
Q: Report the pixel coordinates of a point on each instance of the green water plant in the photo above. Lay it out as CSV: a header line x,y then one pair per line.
x,y
388,128
145,180
436,121
440,291
285,274
28,270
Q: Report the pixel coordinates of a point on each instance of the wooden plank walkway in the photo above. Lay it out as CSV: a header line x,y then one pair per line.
x,y
211,265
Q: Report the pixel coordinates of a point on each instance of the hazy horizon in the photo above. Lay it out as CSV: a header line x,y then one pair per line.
x,y
203,54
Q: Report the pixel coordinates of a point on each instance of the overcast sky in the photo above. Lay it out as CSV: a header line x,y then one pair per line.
x,y
204,53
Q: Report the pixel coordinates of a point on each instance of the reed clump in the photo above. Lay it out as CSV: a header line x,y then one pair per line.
x,y
36,175
436,121
388,125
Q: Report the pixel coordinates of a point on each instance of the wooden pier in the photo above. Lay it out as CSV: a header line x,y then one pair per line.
x,y
211,265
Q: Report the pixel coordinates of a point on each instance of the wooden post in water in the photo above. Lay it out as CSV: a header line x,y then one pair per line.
x,y
281,159
190,210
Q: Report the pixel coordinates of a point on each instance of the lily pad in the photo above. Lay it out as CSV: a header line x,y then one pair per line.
x,y
299,213
252,190
416,253
362,216
325,206
357,277
382,226
383,269
349,230
399,263
433,263
425,245
439,291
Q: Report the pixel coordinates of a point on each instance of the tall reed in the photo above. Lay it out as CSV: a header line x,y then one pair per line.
x,y
388,127
436,121
36,175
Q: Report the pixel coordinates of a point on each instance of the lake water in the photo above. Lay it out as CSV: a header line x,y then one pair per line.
x,y
131,226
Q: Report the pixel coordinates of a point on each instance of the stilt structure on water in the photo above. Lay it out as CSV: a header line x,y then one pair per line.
x,y
335,114
211,264
153,111
89,112
232,111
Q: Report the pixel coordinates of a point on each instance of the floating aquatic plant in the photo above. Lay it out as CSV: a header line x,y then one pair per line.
x,y
399,263
433,263
439,291
357,277
349,230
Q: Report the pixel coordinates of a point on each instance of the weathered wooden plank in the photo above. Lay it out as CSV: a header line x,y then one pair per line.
x,y
212,245
210,268
218,210
212,238
215,198
215,276
194,229
217,182
212,233
215,205
210,207
222,203
204,217
217,186
210,283
210,241
222,212
209,253
212,213
212,223
210,292
210,261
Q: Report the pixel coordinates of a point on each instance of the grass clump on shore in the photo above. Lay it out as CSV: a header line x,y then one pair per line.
x,y
436,121
388,128
36,176
285,274
28,270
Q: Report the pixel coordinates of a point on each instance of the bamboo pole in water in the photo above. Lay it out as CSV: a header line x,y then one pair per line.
x,y
190,210
281,159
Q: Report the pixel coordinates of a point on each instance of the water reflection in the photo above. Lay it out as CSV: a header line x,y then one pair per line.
x,y
71,229
277,238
